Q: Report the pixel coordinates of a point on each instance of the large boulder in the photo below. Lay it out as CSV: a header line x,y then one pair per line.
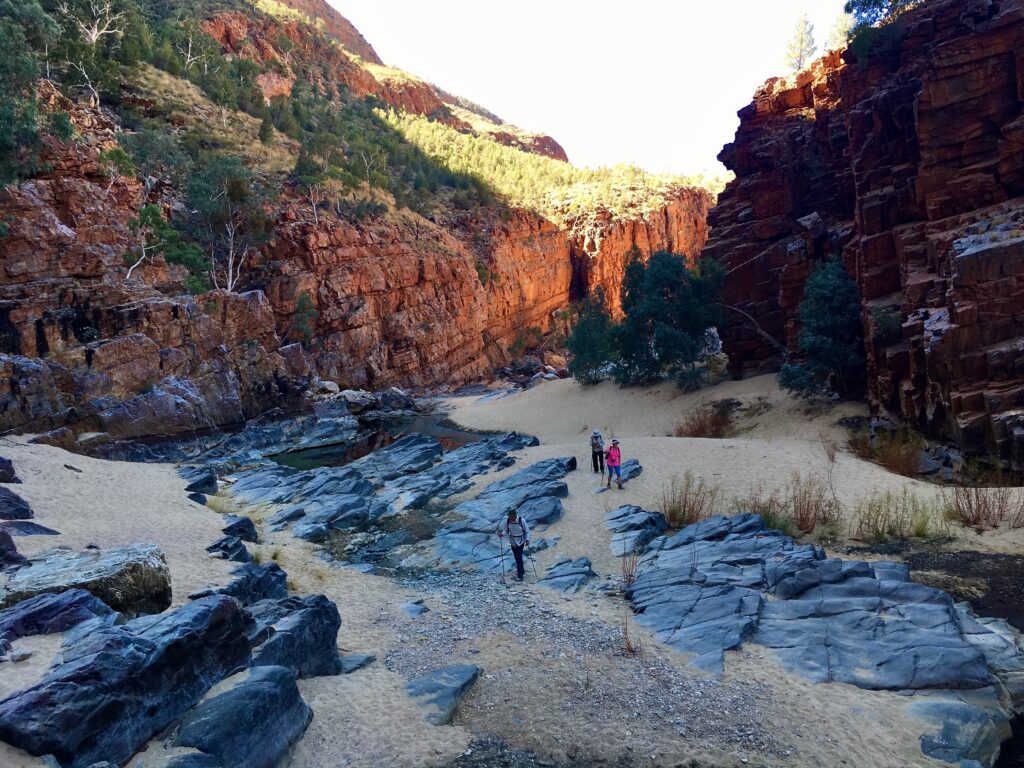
x,y
249,720
439,692
406,456
118,686
242,527
48,613
12,506
133,579
300,633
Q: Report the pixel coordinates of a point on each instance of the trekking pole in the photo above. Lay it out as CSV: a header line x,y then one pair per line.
x,y
501,543
533,563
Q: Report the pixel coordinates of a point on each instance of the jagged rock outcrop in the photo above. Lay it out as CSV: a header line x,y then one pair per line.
x,y
906,161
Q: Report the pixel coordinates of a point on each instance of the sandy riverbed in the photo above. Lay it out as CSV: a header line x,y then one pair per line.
x,y
366,719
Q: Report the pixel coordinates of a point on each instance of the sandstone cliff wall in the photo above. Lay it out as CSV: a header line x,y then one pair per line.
x,y
403,302
908,166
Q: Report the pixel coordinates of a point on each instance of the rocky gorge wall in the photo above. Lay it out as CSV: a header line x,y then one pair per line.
x,y
907,163
84,352
402,302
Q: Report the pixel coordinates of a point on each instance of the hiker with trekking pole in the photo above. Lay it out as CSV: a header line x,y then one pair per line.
x,y
518,540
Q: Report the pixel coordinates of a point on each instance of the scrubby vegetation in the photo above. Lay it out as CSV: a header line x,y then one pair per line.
x,y
898,450
884,517
554,188
686,500
709,420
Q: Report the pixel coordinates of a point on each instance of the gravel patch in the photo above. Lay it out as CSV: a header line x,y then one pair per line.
x,y
577,682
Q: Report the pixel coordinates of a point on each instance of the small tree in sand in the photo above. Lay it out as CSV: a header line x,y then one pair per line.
x,y
831,339
801,47
591,343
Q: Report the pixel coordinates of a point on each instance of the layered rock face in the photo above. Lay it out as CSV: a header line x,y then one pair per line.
x,y
82,348
400,301
906,162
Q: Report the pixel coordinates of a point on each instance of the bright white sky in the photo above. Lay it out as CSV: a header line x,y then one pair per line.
x,y
656,83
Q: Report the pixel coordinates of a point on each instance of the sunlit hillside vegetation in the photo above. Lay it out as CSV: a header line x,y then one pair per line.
x,y
554,188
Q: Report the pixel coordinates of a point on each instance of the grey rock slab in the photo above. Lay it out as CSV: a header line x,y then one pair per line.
x,y
200,480
300,633
439,692
118,686
249,720
26,528
9,556
965,728
352,662
406,456
53,612
12,506
7,473
568,576
133,579
633,528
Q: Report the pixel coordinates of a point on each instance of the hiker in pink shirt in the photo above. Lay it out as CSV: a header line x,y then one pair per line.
x,y
613,460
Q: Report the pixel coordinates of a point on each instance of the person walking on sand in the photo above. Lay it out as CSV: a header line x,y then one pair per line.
x,y
597,451
518,539
613,458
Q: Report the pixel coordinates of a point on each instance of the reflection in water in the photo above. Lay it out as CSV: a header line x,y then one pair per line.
x,y
340,454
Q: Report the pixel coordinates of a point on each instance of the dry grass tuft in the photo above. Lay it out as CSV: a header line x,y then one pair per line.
x,y
884,517
705,421
629,563
631,644
984,508
688,500
804,504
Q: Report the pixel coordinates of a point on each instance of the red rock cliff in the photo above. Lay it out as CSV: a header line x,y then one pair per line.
x,y
402,301
911,167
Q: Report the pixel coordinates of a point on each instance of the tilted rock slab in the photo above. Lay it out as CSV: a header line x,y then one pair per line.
x,y
133,579
725,581
249,720
533,490
118,686
439,692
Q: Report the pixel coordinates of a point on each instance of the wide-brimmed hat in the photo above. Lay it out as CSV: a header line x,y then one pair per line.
x,y
615,441
597,431
510,513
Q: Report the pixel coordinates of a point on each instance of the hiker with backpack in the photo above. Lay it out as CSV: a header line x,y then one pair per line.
x,y
518,539
613,459
597,451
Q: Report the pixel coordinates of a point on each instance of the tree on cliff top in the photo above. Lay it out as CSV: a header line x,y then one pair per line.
x,y
19,133
800,48
870,12
839,37
831,338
